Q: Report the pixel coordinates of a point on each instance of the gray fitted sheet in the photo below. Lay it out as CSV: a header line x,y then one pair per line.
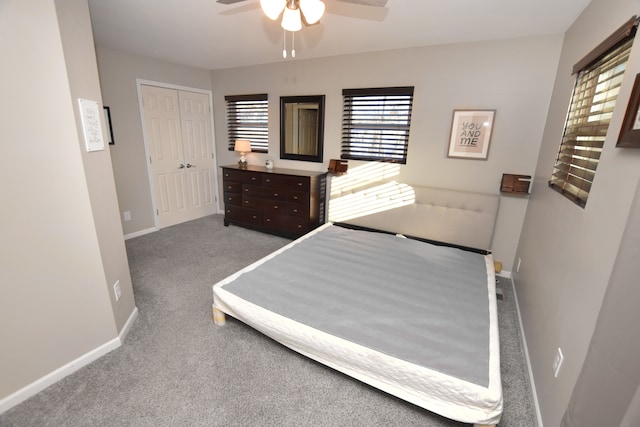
x,y
414,301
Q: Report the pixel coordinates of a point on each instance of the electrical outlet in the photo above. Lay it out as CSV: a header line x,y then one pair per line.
x,y
116,290
126,215
557,363
518,267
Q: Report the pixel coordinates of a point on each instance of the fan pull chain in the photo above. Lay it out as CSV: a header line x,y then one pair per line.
x,y
284,43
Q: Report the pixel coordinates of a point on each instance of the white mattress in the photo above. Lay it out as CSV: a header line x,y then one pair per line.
x,y
476,399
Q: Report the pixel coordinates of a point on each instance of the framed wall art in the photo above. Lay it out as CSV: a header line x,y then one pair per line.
x,y
107,118
630,133
471,134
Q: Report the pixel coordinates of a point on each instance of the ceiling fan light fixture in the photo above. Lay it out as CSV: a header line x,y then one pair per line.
x,y
273,8
312,10
291,20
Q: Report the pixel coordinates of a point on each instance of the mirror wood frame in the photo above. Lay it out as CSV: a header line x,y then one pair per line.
x,y
310,99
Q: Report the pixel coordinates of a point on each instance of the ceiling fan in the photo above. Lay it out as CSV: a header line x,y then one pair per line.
x,y
295,12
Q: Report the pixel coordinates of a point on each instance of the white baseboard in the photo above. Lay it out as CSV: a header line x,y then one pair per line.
x,y
526,354
53,377
140,233
125,329
505,274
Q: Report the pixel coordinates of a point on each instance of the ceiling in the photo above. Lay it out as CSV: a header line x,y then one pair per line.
x,y
209,35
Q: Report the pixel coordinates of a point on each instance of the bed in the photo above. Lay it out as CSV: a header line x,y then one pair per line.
x,y
409,308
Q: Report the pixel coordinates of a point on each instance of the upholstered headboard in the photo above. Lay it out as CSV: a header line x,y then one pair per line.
x,y
451,216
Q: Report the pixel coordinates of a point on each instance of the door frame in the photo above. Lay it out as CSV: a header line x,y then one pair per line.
x,y
209,93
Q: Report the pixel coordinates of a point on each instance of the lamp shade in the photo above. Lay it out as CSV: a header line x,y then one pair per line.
x,y
291,20
242,146
273,8
312,10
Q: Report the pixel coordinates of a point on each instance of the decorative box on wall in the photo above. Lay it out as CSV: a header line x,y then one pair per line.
x,y
279,201
515,184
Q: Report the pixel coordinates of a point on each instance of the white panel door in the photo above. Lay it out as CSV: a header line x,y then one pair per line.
x,y
197,149
180,146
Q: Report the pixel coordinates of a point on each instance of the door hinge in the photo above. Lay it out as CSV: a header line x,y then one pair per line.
x,y
157,214
150,161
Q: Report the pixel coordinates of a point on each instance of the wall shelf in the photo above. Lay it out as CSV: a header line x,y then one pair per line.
x,y
515,184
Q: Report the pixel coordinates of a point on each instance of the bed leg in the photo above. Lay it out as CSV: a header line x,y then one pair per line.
x,y
219,317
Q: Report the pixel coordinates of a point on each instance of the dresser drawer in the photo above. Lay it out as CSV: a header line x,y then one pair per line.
x,y
292,183
233,199
298,183
273,193
242,214
252,202
297,210
232,187
297,197
291,225
245,177
274,207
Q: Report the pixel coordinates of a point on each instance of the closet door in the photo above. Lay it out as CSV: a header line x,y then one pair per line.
x,y
178,137
197,152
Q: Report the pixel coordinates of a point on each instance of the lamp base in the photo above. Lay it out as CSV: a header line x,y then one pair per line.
x,y
242,163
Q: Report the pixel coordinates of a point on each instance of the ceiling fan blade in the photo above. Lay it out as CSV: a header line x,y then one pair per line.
x,y
350,9
375,3
229,1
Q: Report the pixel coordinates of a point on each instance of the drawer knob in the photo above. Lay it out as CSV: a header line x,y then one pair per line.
x,y
275,194
246,202
253,178
300,184
268,219
295,197
295,211
254,217
275,206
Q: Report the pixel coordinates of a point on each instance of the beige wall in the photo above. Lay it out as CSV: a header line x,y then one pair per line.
x,y
61,245
515,77
118,74
82,71
567,252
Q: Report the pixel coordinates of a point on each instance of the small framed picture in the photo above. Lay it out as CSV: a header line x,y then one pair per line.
x,y
630,133
471,134
107,119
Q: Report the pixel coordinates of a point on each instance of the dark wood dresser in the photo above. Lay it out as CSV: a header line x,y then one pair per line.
x,y
279,201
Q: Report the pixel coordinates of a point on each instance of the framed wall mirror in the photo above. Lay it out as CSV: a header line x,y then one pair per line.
x,y
302,127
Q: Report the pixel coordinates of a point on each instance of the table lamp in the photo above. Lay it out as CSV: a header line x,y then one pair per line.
x,y
243,146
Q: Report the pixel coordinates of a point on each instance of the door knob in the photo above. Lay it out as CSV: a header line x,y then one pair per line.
x,y
189,165
181,166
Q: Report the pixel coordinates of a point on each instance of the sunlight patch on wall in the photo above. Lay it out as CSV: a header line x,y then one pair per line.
x,y
383,197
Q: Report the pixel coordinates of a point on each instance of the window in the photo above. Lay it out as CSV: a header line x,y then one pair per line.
x,y
375,124
598,80
248,118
